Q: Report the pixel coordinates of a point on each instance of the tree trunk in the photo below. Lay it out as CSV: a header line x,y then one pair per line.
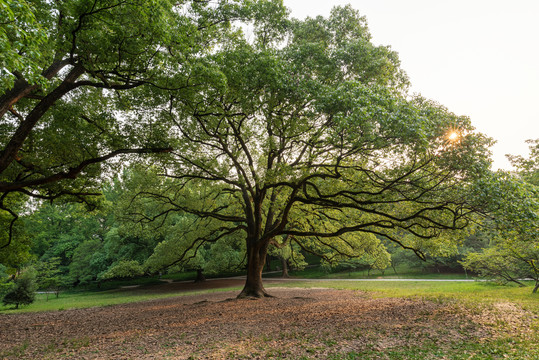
x,y
256,259
536,287
200,276
285,268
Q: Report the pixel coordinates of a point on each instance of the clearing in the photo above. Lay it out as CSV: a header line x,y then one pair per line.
x,y
299,323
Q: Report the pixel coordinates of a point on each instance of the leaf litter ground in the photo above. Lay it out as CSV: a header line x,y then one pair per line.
x,y
296,323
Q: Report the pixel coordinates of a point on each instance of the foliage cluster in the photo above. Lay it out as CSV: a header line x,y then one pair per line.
x,y
512,253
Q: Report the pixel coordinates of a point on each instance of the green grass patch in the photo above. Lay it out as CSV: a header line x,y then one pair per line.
x,y
498,349
473,291
469,292
91,298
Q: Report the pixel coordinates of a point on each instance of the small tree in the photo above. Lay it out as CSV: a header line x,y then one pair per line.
x,y
49,276
290,255
23,293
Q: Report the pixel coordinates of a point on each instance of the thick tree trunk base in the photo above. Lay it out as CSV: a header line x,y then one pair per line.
x,y
256,258
254,295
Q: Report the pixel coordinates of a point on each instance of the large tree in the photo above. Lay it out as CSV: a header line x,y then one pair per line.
x,y
306,129
68,71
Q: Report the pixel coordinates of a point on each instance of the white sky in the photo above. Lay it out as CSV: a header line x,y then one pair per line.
x,y
478,58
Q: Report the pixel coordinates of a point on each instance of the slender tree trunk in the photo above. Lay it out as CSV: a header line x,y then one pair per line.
x,y
256,259
200,276
285,267
268,263
536,287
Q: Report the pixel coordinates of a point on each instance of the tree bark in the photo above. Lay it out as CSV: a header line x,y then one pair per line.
x,y
536,287
256,259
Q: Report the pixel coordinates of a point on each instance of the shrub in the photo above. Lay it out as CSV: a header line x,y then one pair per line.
x,y
24,291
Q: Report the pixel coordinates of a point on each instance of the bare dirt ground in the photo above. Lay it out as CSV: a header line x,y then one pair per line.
x,y
297,323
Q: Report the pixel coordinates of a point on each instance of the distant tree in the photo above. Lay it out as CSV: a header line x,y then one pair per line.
x,y
313,126
95,240
288,253
23,291
513,225
49,276
88,262
505,262
124,269
227,255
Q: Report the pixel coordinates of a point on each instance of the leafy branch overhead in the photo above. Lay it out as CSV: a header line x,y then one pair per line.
x,y
69,75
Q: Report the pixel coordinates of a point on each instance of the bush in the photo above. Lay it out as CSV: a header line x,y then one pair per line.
x,y
24,291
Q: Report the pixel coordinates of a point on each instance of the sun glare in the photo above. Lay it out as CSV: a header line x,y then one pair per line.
x,y
453,135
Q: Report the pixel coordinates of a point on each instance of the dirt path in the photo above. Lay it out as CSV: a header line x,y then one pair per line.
x,y
297,322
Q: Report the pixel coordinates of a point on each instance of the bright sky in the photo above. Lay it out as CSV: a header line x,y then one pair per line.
x,y
478,58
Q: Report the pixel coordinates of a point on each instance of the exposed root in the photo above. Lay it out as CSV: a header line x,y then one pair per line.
x,y
254,294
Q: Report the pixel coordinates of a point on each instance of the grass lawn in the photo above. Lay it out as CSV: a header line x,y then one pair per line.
x,y
87,299
466,292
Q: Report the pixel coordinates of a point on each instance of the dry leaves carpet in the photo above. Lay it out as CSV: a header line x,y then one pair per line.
x,y
297,323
